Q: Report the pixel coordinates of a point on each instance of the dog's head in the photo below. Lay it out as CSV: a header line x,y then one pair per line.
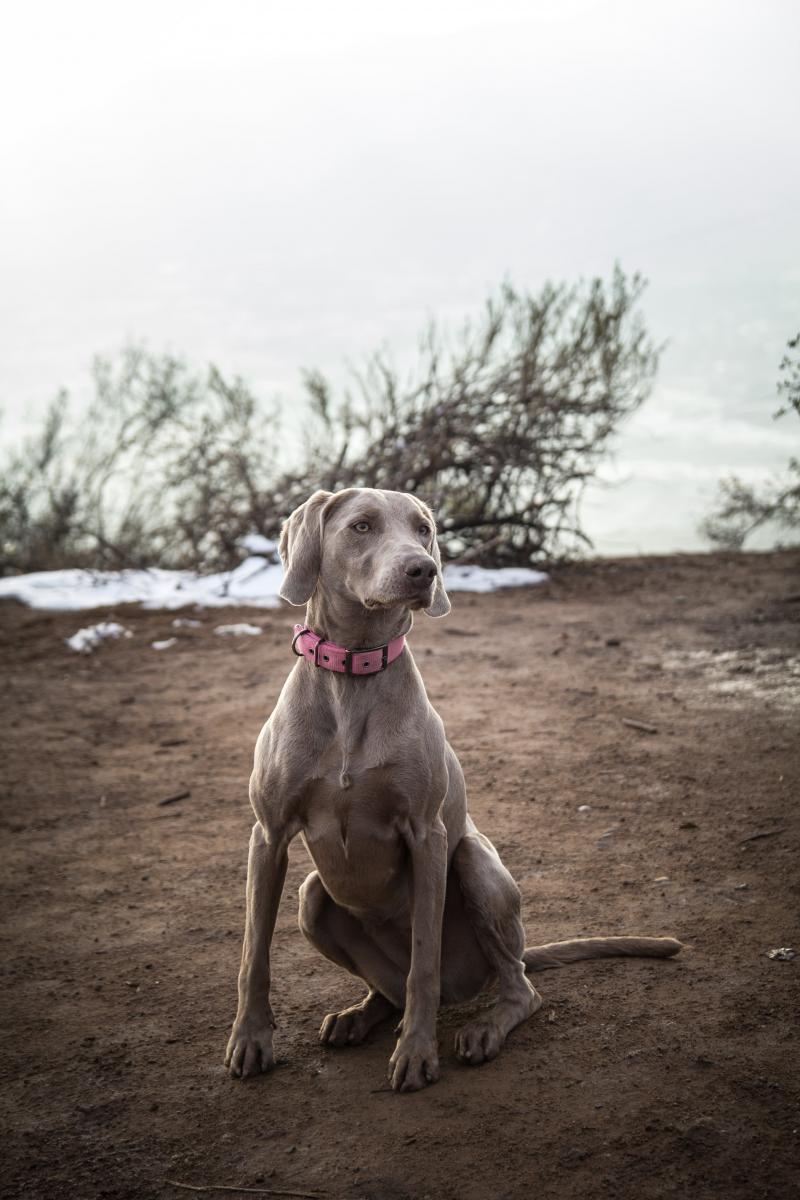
x,y
378,547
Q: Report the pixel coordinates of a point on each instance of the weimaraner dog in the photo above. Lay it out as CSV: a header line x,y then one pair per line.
x,y
407,895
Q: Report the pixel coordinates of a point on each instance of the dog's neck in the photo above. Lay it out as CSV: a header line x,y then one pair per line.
x,y
351,701
343,620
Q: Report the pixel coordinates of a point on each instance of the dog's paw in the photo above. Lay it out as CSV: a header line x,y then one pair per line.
x,y
351,1026
346,1028
479,1042
249,1049
414,1064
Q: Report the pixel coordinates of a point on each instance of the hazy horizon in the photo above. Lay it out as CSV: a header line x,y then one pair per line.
x,y
272,190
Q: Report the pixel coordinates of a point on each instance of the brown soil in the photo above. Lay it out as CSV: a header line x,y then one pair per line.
x,y
636,1079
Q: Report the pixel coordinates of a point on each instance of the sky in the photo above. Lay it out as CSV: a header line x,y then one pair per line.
x,y
273,187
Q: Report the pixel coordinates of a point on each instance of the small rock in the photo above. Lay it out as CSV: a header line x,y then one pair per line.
x,y
584,808
782,954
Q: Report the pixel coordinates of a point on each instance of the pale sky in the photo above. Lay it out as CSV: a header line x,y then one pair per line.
x,y
274,186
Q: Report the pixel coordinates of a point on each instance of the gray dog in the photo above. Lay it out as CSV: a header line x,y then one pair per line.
x,y
407,895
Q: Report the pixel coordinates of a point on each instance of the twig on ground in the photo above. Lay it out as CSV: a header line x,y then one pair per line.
x,y
762,833
231,1187
640,725
174,799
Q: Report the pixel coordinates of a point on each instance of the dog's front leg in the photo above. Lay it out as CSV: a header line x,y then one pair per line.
x,y
415,1062
250,1045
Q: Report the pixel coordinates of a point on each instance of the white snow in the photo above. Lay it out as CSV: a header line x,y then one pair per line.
x,y
254,582
86,641
163,645
256,543
241,630
186,623
489,579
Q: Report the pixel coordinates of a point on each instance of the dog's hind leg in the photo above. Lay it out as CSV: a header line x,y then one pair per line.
x,y
342,939
492,908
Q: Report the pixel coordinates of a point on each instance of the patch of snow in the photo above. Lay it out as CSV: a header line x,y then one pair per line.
x,y
470,578
164,645
86,641
241,630
256,543
186,623
256,582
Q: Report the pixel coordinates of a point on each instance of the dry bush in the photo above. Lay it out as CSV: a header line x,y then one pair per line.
x,y
499,429
740,508
164,468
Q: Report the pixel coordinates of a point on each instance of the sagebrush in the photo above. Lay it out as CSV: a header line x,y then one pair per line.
x,y
740,508
499,428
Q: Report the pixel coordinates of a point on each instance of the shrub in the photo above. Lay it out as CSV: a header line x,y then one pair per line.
x,y
164,468
740,508
499,429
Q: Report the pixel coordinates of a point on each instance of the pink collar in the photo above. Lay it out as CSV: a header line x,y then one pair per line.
x,y
332,657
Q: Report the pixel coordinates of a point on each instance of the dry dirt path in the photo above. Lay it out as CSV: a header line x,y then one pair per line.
x,y
122,919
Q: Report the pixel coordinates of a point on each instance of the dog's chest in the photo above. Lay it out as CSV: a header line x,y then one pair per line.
x,y
353,837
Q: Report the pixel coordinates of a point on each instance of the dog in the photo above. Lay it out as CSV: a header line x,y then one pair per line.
x,y
407,894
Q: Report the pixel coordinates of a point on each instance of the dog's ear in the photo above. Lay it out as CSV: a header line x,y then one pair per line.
x,y
300,548
440,604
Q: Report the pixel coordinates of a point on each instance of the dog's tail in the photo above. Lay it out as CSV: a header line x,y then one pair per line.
x,y
560,954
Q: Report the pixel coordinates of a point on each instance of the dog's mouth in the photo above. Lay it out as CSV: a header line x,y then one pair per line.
x,y
413,600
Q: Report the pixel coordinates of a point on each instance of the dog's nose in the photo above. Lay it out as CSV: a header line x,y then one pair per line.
x,y
421,569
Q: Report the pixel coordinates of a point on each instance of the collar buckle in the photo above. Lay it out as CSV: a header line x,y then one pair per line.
x,y
299,634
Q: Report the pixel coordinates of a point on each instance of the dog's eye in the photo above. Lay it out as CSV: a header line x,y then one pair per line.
x,y
361,527
424,530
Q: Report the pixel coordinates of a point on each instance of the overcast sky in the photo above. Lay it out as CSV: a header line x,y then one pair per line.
x,y
274,186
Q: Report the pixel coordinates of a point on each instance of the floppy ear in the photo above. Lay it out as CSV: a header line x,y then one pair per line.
x,y
440,604
300,549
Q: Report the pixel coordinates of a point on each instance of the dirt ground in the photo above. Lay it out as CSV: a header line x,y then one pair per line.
x,y
122,918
